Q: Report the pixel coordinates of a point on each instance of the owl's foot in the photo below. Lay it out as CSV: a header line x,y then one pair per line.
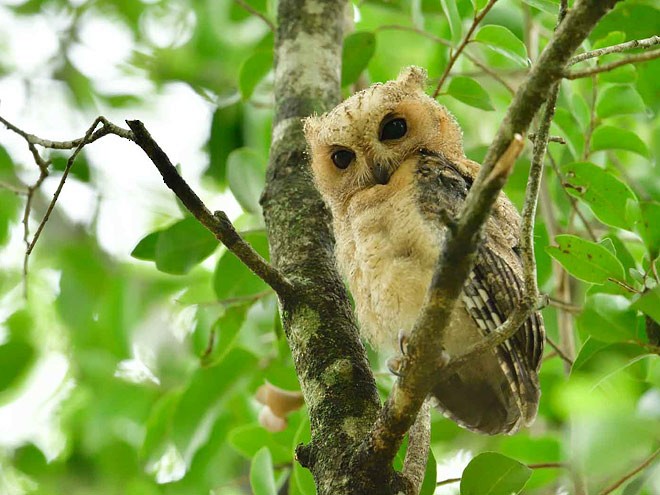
x,y
403,342
395,363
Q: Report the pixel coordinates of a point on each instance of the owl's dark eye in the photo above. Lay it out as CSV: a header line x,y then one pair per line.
x,y
342,158
394,129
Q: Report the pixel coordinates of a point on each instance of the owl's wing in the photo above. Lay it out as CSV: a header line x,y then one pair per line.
x,y
490,295
494,287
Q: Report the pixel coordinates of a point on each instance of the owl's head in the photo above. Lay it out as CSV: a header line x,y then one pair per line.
x,y
363,141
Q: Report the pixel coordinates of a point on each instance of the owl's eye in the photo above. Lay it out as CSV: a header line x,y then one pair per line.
x,y
394,129
342,158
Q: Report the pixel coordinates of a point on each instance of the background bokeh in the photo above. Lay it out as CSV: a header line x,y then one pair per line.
x,y
131,367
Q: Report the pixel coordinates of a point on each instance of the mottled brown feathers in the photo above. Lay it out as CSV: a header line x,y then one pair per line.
x,y
391,198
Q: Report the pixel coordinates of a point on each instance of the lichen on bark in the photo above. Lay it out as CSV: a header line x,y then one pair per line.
x,y
330,360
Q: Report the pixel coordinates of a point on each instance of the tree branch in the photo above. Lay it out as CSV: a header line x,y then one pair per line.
x,y
256,13
417,454
633,59
216,222
630,474
621,47
478,17
425,352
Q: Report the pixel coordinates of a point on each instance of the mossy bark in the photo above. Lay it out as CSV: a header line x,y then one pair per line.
x,y
337,383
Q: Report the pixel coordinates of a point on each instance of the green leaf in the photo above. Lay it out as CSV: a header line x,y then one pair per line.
x,y
619,100
501,40
479,4
622,254
79,169
649,226
253,70
183,245
604,193
549,6
9,206
649,303
202,398
470,92
226,328
455,22
226,135
607,137
16,358
358,49
246,176
624,74
586,260
491,473
232,278
612,38
608,318
248,439
430,476
146,248
262,476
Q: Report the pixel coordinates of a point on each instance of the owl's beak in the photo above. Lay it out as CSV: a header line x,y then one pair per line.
x,y
381,174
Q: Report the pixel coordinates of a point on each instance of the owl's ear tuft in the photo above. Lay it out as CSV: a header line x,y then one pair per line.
x,y
413,78
311,127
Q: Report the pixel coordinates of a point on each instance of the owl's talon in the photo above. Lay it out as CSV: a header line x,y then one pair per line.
x,y
403,342
395,365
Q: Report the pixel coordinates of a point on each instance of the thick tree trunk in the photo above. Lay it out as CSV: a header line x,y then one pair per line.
x,y
331,363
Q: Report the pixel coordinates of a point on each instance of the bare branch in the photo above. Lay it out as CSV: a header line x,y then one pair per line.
x,y
621,47
478,17
566,306
216,222
445,42
34,141
67,169
551,139
557,348
256,13
419,442
633,59
108,128
630,474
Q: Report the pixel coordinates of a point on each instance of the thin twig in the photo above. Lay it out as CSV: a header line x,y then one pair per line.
x,y
566,306
67,169
559,351
216,222
256,13
108,128
543,465
632,59
14,189
468,37
448,481
551,139
630,474
445,42
621,47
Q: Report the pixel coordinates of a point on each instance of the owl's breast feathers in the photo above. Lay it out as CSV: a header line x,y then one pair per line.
x,y
388,244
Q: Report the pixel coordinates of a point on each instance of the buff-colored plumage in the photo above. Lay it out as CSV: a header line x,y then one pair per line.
x,y
389,207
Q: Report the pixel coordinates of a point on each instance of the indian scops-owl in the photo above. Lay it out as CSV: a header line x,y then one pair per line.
x,y
389,162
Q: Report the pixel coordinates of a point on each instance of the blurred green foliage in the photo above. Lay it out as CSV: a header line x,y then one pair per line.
x,y
164,356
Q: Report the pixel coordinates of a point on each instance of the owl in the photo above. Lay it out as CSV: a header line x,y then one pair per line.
x,y
389,162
